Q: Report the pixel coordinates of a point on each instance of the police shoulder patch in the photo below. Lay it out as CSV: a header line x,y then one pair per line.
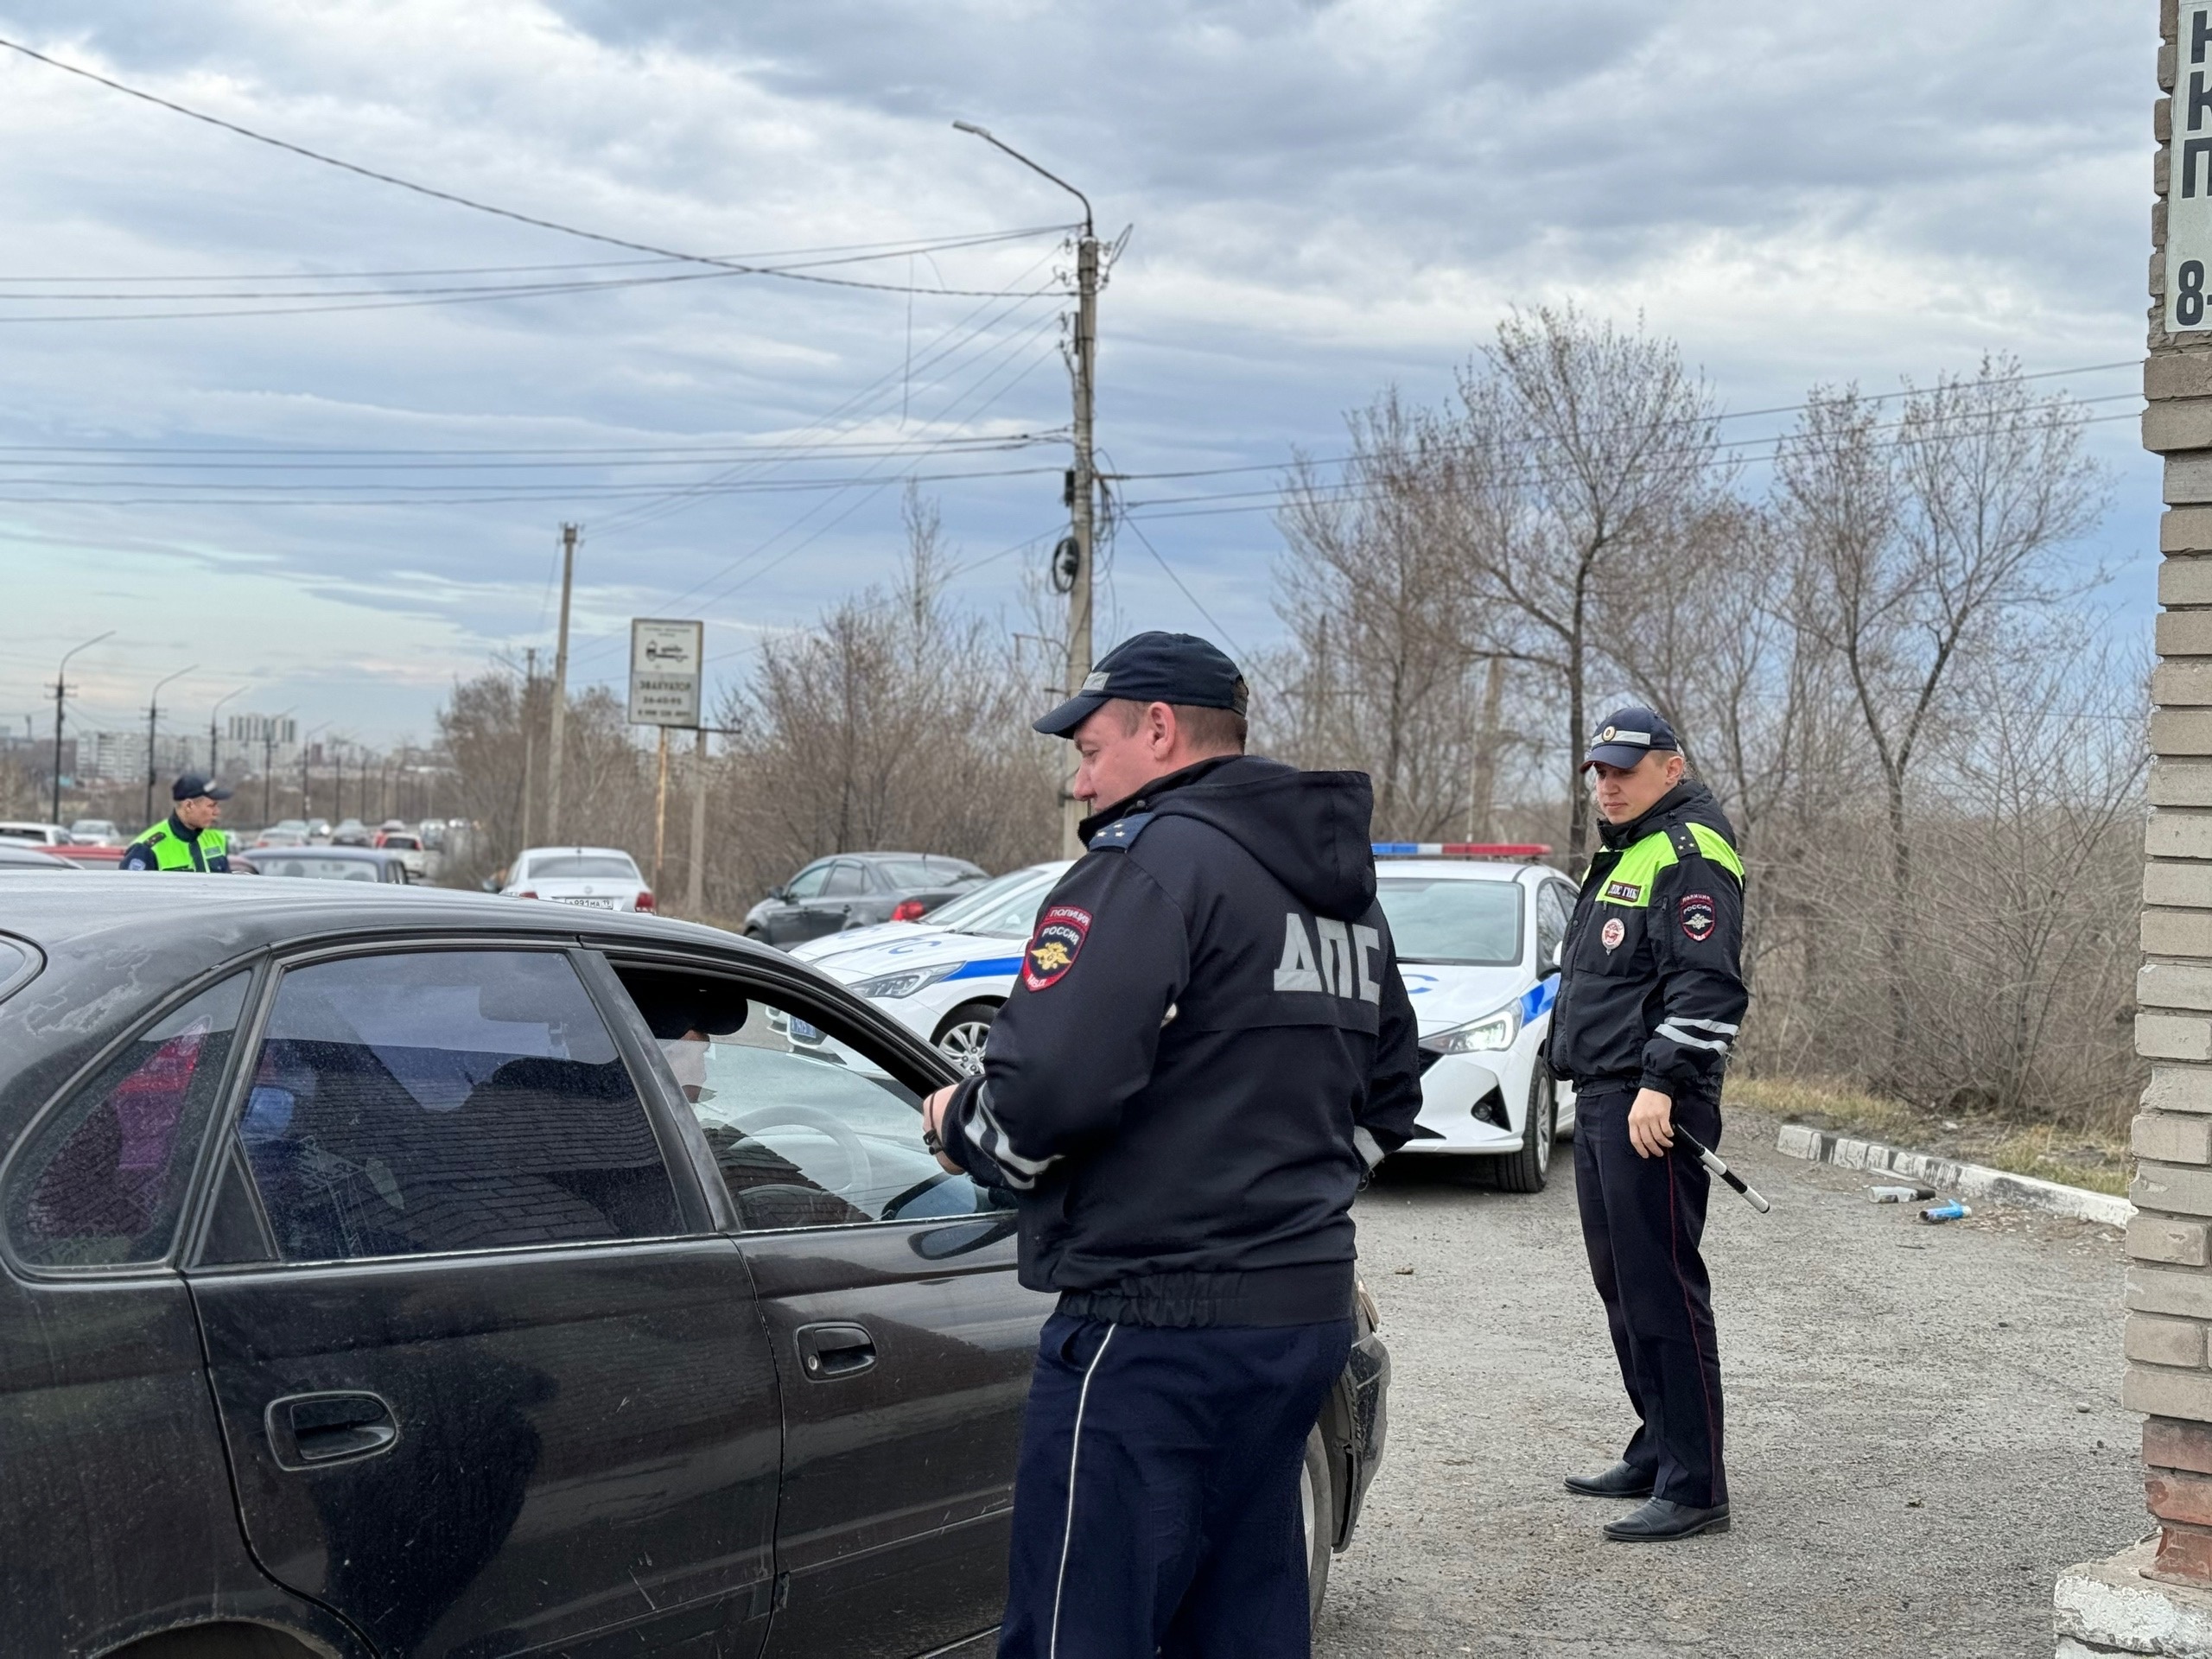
x,y
1054,946
1122,832
1699,917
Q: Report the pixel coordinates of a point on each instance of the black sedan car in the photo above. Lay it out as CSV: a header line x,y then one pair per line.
x,y
397,1272
330,863
855,890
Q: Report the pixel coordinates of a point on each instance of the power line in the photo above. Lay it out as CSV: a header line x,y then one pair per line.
x,y
453,197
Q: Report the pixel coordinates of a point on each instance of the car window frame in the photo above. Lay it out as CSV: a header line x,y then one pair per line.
x,y
851,868
790,888
922,1068
695,1213
191,1219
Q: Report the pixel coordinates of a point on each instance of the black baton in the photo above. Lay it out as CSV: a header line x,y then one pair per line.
x,y
1710,1160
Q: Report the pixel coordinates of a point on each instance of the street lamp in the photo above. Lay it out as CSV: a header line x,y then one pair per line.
x,y
153,722
1073,558
215,765
61,694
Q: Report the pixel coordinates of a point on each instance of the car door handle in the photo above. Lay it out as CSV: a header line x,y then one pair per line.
x,y
829,1351
307,1431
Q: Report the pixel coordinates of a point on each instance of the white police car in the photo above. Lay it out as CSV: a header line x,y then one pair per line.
x,y
944,976
1476,937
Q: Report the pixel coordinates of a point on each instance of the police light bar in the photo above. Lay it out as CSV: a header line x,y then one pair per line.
x,y
1459,850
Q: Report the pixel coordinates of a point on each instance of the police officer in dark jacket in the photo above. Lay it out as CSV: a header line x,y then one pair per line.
x,y
1650,1000
1208,1050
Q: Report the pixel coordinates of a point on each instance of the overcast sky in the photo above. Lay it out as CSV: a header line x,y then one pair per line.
x,y
1322,200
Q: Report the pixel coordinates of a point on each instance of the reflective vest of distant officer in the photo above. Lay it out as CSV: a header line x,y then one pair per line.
x,y
1651,993
187,838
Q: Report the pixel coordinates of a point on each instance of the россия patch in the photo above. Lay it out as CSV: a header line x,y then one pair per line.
x,y
1052,949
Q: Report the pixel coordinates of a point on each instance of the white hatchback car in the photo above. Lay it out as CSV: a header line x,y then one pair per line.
x,y
1476,939
944,976
595,877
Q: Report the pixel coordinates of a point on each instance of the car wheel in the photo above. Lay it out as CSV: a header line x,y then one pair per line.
x,y
960,1039
1528,1167
1317,1508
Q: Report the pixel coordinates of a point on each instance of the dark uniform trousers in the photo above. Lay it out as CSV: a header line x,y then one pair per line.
x,y
1169,1458
1641,1222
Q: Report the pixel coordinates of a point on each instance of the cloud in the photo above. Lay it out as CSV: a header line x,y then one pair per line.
x,y
1325,198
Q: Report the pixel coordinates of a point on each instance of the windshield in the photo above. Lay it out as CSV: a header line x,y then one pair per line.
x,y
925,871
576,867
1463,924
1004,909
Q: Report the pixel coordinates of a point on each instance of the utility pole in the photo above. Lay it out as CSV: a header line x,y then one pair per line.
x,y
695,885
660,817
214,744
153,727
60,695
554,737
268,764
1074,561
529,738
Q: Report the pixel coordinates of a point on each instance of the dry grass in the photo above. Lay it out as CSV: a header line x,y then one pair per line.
x,y
2073,1157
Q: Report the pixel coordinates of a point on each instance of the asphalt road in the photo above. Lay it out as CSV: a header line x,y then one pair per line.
x,y
1923,1428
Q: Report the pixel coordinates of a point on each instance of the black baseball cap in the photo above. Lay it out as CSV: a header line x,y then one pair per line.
x,y
1178,667
1626,736
192,787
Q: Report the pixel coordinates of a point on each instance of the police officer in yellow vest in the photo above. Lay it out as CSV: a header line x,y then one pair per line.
x,y
187,838
1651,993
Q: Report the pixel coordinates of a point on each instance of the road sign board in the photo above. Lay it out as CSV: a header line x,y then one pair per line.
x,y
2189,195
665,660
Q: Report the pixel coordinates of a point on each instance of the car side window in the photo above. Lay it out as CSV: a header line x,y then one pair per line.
x,y
1552,912
807,1129
807,882
429,1100
102,1182
846,878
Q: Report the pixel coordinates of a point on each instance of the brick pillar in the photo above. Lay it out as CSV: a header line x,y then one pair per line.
x,y
2170,1276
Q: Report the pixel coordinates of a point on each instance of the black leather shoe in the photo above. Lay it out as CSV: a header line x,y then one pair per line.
x,y
1622,1480
1660,1519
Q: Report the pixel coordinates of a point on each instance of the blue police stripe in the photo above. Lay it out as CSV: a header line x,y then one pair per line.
x,y
1395,849
990,969
1539,999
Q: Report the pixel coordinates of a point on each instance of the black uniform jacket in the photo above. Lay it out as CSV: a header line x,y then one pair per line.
x,y
1208,1047
1652,992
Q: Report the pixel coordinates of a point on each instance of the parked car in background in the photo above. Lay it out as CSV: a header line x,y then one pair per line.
x,y
1476,937
39,835
351,832
91,858
595,878
96,832
332,864
21,855
319,831
943,977
279,836
382,1286
408,846
850,890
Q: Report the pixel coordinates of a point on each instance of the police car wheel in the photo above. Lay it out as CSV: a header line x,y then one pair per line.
x,y
960,1039
1529,1166
1317,1506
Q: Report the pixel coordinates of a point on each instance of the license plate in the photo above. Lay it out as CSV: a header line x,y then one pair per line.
x,y
592,903
802,1032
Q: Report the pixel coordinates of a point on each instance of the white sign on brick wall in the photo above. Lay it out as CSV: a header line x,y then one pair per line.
x,y
2189,184
665,661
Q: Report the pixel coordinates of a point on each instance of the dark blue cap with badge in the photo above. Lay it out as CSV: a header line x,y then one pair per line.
x,y
192,787
1174,668
1626,736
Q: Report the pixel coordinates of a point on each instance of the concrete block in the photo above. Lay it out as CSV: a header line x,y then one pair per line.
x,y
2155,1341
2177,374
2168,1290
2109,1606
2173,1037
2158,228
2187,633
2161,1238
2170,1443
2174,1139
2178,424
2176,1189
2168,1394
2183,681
2181,731
2180,782
2178,834
2169,19
2177,933
2188,478
2166,81
2181,882
2175,985
2162,169
2182,579
2162,120
2179,1089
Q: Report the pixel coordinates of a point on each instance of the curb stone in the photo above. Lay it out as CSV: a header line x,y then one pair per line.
x,y
1948,1175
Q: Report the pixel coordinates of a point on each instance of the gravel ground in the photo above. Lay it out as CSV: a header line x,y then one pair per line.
x,y
1924,1427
